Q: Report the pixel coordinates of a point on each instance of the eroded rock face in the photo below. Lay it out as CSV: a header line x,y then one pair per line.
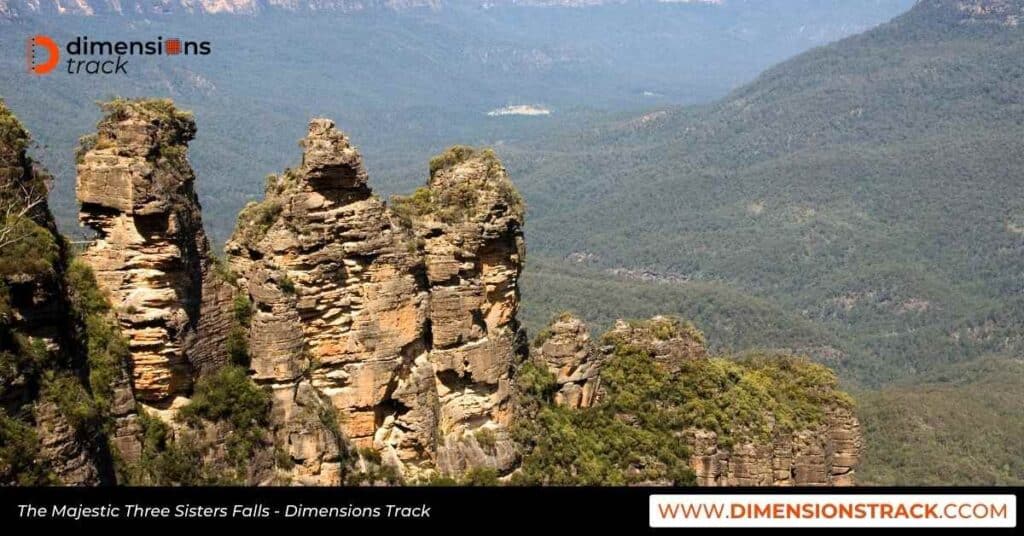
x,y
151,255
468,221
825,453
339,310
824,456
567,352
39,355
383,332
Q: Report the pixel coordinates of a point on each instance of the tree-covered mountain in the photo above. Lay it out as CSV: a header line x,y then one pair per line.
x,y
135,8
869,188
960,424
406,83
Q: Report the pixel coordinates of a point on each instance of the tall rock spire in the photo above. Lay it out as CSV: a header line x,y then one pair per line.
x,y
339,309
150,253
398,327
468,221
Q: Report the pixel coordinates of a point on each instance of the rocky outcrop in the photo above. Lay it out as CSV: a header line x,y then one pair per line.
x,y
41,362
339,310
736,416
468,221
564,348
150,253
346,340
826,455
394,332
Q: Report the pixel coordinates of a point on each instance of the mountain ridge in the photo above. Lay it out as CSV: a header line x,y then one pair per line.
x,y
21,8
817,186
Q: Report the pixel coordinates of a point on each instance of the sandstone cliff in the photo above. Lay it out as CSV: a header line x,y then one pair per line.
x,y
468,221
347,340
150,253
392,334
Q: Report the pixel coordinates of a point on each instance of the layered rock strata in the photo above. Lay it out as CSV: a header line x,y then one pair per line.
x,y
565,349
150,253
468,221
339,311
395,333
826,455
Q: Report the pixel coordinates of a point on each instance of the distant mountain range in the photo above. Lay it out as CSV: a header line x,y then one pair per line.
x,y
860,202
18,8
872,186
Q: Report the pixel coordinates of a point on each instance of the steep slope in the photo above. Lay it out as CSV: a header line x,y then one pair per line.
x,y
64,392
398,329
869,186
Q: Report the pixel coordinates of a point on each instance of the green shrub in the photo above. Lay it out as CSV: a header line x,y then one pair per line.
x,y
73,403
243,309
21,355
371,455
34,253
13,136
85,144
237,345
286,285
19,445
106,347
536,382
419,203
228,395
451,156
481,476
255,219
221,268
486,438
542,337
169,461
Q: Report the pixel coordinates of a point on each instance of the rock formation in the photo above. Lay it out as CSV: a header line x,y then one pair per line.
x,y
468,221
566,351
749,400
343,340
400,331
151,255
339,309
41,363
826,455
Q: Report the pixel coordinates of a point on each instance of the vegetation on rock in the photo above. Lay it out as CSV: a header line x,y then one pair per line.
x,y
633,435
229,396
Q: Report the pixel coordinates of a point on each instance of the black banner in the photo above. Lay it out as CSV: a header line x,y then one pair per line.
x,y
469,510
